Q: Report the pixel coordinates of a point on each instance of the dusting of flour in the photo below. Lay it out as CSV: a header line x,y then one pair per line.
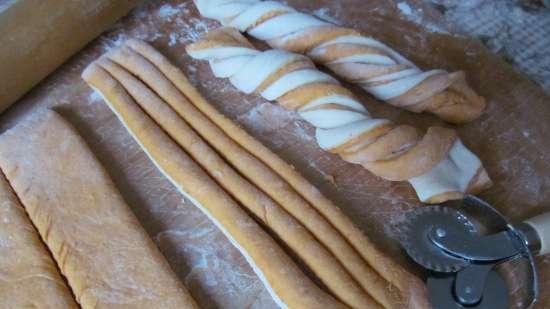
x,y
167,11
95,96
416,16
324,14
178,25
285,122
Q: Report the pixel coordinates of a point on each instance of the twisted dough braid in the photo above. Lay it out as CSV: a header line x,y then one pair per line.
x,y
357,58
437,164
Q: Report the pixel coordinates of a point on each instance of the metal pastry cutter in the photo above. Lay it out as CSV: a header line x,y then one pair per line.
x,y
464,256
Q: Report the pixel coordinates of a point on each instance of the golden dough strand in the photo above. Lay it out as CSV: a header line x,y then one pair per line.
x,y
263,177
234,137
272,215
287,283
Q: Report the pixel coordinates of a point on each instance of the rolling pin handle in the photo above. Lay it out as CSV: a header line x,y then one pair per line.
x,y
537,233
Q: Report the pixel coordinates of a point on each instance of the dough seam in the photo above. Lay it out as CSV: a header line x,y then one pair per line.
x,y
361,273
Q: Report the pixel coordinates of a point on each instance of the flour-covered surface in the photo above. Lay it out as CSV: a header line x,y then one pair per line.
x,y
511,138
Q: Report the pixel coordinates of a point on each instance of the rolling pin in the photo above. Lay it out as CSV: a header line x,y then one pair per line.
x,y
37,36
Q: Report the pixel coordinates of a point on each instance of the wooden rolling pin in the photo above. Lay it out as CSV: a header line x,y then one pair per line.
x,y
37,36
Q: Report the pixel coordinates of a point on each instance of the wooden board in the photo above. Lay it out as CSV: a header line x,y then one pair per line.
x,y
511,139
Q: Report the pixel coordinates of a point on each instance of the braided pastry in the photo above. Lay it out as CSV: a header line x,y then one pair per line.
x,y
357,58
437,164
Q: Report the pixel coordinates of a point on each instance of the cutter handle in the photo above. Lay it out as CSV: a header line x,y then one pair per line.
x,y
541,226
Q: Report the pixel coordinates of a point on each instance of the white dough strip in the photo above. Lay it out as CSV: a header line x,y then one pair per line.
x,y
344,126
341,49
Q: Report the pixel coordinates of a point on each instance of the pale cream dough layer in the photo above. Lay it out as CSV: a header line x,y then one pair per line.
x,y
29,277
101,248
392,287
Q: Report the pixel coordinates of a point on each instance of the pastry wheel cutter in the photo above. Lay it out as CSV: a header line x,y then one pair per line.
x,y
469,247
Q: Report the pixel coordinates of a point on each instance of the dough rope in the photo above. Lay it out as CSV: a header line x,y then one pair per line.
x,y
438,165
288,285
165,95
355,57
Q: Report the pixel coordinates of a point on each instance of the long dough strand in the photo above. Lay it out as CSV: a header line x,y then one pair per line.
x,y
412,289
29,277
257,172
286,282
355,57
438,165
272,215
97,242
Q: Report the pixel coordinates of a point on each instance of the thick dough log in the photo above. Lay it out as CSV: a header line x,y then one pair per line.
x,y
355,57
39,35
98,243
437,164
29,277
228,138
289,286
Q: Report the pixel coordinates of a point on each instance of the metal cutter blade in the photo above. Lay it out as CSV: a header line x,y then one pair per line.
x,y
521,273
415,237
446,241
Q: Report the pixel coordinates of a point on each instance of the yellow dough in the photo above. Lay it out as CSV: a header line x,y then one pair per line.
x,y
342,257
289,286
107,257
29,277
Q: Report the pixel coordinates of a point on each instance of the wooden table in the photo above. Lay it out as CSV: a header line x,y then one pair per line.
x,y
511,138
